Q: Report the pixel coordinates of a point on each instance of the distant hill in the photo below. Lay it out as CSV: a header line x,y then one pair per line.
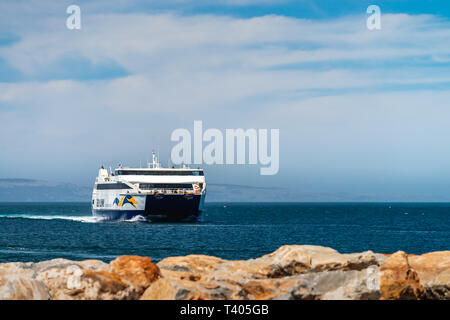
x,y
24,190
239,193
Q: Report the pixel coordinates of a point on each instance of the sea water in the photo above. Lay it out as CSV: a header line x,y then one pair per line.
x,y
42,231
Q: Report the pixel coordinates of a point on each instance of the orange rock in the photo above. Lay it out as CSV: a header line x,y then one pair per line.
x,y
135,271
108,282
430,265
398,280
434,272
200,264
163,289
265,289
175,289
180,275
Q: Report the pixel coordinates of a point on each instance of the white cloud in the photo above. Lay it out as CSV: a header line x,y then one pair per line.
x,y
145,43
325,84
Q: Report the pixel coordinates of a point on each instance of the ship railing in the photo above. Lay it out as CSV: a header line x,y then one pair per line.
x,y
169,191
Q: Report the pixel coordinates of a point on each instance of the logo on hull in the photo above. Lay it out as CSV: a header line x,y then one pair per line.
x,y
125,199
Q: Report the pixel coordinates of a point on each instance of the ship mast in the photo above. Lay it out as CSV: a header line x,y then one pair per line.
x,y
155,163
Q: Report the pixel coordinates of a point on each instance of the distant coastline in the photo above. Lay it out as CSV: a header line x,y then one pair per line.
x,y
28,190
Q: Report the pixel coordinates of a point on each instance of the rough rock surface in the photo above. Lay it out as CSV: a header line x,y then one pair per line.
x,y
291,272
398,280
126,277
433,270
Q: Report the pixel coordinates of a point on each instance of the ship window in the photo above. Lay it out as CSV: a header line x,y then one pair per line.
x,y
159,173
112,186
149,186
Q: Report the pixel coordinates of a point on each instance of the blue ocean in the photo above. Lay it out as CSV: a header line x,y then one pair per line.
x,y
41,231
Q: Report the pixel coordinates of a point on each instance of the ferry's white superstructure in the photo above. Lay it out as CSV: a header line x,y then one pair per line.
x,y
156,193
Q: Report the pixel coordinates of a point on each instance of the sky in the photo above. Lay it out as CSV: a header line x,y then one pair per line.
x,y
360,112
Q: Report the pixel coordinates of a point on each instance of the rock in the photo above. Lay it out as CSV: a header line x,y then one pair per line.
x,y
272,276
286,261
199,264
42,280
345,285
100,285
163,289
291,272
61,279
398,280
137,272
434,273
125,278
17,283
296,259
360,261
20,288
438,287
291,260
175,289
329,285
84,280
238,270
320,285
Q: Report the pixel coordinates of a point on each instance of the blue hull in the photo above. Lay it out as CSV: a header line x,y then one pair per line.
x,y
159,208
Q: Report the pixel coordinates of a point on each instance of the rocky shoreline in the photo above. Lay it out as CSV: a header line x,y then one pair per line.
x,y
291,272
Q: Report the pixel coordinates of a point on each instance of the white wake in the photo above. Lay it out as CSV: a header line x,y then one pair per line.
x,y
85,219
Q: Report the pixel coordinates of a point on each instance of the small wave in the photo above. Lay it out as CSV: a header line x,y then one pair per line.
x,y
85,219
137,218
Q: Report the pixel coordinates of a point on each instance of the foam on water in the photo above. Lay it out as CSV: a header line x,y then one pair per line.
x,y
85,219
136,219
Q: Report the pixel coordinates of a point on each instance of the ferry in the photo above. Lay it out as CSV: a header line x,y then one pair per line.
x,y
153,193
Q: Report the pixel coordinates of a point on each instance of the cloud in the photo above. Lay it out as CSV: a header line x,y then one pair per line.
x,y
345,98
165,41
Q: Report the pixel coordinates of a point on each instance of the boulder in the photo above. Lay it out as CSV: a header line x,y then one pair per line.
x,y
286,261
17,283
199,264
291,272
335,285
295,259
398,280
134,271
176,289
433,270
125,278
85,280
60,279
342,285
